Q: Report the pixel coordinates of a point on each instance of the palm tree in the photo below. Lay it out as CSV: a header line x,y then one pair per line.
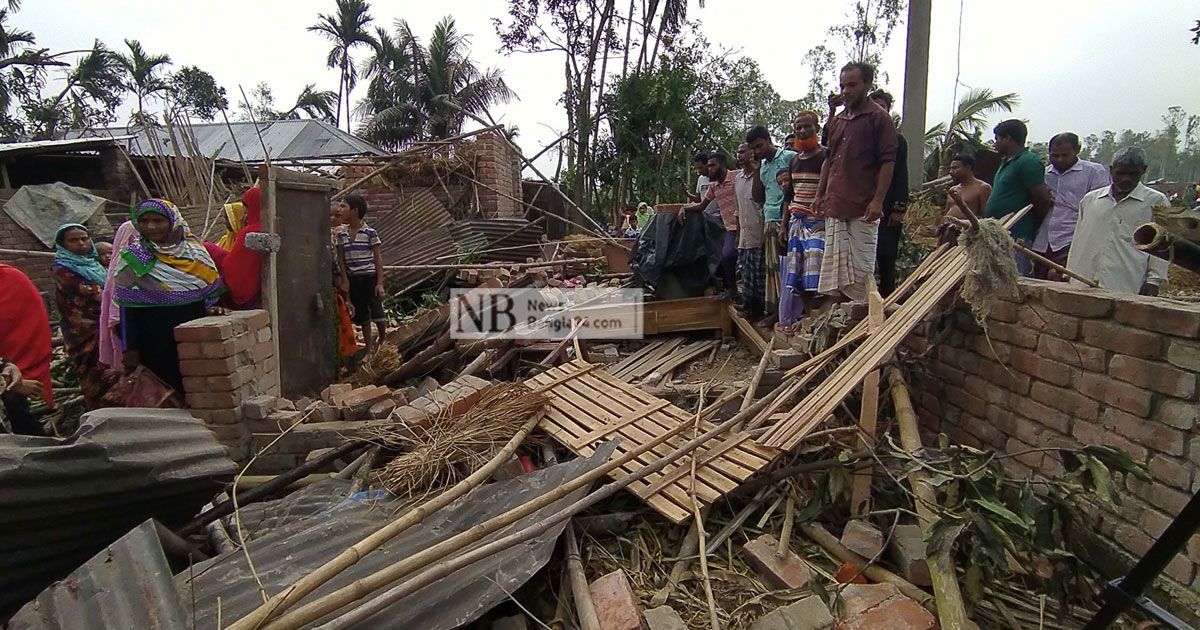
x,y
426,92
966,126
96,77
142,74
346,28
318,104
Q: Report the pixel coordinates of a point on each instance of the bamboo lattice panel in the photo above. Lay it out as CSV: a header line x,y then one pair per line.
x,y
592,408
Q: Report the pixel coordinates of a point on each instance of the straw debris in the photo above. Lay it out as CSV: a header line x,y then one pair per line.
x,y
991,268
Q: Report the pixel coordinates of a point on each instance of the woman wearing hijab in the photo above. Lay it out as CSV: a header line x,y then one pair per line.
x,y
241,269
111,347
235,217
164,278
79,282
25,344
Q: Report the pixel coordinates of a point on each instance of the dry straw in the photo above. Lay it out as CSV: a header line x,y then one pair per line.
x,y
452,445
991,269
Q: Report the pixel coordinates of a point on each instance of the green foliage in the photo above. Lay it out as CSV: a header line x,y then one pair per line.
x,y
1173,151
347,29
694,99
868,29
986,520
197,93
143,74
425,92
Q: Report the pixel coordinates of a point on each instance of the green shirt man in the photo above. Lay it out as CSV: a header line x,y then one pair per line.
x,y
1012,189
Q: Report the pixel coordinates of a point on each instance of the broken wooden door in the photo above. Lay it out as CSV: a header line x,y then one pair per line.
x,y
297,280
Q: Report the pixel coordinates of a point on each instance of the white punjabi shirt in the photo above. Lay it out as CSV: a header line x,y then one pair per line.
x,y
1103,245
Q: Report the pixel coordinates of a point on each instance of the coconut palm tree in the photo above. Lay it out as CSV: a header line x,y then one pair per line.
x,y
966,126
347,28
143,74
95,84
318,104
425,92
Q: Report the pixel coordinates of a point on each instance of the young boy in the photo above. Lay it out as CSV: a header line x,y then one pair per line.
x,y
104,252
361,265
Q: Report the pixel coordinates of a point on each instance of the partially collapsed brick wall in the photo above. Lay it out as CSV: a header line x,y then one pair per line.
x,y
1068,367
13,236
498,167
226,360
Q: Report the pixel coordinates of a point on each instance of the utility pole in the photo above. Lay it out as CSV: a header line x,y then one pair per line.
x,y
916,88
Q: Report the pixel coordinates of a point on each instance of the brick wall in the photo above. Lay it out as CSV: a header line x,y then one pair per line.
x,y
1080,367
226,360
13,236
499,167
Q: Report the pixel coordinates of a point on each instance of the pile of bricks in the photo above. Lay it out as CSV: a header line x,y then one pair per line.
x,y
226,360
283,436
1061,366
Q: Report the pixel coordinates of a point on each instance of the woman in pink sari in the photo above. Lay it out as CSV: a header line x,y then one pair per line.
x,y
111,348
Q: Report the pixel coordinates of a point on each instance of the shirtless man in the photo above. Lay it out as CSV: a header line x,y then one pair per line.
x,y
974,193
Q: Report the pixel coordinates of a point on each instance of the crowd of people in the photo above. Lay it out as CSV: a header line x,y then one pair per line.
x,y
818,219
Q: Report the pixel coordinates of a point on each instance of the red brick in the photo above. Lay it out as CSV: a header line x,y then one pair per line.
x,y
877,606
1003,312
949,375
1014,334
1075,354
987,433
983,348
786,571
1004,376
1133,539
1003,419
616,605
1089,433
261,352
363,396
1122,339
1166,499
189,350
1078,302
1184,354
971,404
1156,376
1159,315
1057,324
214,400
1180,414
206,367
1172,472
1153,435
1065,400
212,328
1110,391
235,380
217,349
263,335
335,391
1047,370
251,320
1042,414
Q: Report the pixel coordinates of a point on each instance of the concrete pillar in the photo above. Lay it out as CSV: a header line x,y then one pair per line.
x,y
916,88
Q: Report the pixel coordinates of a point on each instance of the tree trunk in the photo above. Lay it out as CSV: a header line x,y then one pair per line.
x,y
583,111
337,121
628,41
647,19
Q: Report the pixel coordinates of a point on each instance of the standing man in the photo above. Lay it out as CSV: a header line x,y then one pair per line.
x,y
720,192
855,179
1021,181
973,191
1069,179
895,203
767,191
1102,248
750,235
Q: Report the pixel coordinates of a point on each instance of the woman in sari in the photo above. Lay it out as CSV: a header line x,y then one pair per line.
x,y
79,282
164,278
111,347
241,269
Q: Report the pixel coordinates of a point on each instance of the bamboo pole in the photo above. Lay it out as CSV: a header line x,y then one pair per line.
x,y
758,374
868,416
1040,258
437,553
873,572
525,265
584,608
952,614
26,252
287,597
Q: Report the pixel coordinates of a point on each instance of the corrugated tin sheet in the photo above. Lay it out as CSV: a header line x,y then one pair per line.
x,y
506,233
64,500
415,231
284,139
54,146
127,585
466,239
305,536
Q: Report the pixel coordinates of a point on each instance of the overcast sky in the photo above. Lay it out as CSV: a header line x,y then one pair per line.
x,y
1078,65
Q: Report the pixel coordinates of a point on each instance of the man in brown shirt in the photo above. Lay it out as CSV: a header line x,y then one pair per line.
x,y
860,157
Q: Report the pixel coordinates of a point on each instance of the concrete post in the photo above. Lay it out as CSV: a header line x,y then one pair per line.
x,y
916,88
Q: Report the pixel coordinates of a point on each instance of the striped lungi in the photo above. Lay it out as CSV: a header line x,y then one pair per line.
x,y
849,257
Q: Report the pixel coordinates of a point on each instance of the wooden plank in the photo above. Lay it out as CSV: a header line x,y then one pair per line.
x,y
652,357
638,355
683,355
747,332
623,421
868,417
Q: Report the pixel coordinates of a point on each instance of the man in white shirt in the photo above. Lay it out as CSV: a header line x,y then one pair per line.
x,y
1102,248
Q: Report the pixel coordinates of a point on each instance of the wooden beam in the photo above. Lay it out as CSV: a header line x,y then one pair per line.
x,y
868,417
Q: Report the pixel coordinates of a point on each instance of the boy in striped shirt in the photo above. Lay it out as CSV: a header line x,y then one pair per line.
x,y
361,266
